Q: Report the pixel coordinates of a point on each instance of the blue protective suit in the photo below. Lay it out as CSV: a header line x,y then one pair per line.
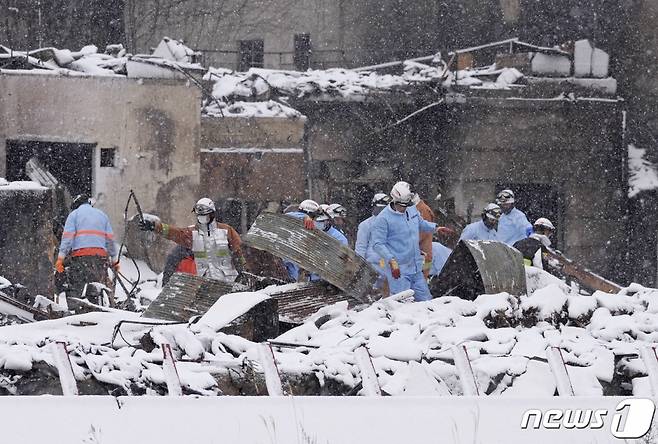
x,y
478,231
364,245
395,236
292,267
440,255
364,248
513,227
87,227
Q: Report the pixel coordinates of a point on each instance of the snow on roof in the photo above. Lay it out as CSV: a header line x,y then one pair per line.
x,y
261,92
642,173
20,185
170,55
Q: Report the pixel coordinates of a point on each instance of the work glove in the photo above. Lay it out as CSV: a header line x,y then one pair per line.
x,y
445,231
59,265
427,266
395,269
308,223
146,225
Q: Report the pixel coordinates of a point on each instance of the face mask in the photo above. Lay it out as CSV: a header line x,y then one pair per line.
x,y
203,220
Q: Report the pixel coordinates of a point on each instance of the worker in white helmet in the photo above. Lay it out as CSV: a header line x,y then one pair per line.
x,y
395,238
534,247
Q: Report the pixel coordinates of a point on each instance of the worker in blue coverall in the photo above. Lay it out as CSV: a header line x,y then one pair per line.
x,y
88,242
324,222
513,225
440,254
307,211
395,236
486,228
364,246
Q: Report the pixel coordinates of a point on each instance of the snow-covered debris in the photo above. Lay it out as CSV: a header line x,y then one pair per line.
x,y
268,108
642,173
19,185
410,344
176,51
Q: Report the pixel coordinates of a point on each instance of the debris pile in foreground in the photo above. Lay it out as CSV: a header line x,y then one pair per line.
x,y
411,344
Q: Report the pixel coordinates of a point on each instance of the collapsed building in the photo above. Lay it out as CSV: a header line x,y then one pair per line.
x,y
265,138
458,127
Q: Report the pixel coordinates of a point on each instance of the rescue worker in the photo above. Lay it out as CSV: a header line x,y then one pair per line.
x,y
324,223
534,247
440,254
513,224
216,246
425,238
395,237
486,228
307,211
338,213
364,245
88,242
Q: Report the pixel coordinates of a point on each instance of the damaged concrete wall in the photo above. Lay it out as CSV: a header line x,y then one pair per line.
x,y
152,125
26,237
255,160
566,157
570,153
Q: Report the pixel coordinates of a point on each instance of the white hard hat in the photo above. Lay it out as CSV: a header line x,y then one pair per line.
x,y
381,199
309,206
505,196
543,222
336,210
401,194
491,211
204,206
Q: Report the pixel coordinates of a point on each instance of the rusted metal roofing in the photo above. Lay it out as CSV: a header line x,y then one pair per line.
x,y
481,267
314,251
185,296
298,302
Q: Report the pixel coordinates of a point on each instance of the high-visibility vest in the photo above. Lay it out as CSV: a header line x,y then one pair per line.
x,y
212,254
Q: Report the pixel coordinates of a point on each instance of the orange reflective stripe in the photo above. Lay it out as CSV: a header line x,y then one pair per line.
x,y
92,251
67,234
93,233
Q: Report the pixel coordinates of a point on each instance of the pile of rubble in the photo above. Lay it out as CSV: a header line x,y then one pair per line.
x,y
414,348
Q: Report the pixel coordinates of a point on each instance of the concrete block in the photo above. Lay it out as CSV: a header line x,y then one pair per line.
x,y
582,58
600,62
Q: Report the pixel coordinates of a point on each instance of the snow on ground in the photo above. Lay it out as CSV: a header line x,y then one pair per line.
x,y
410,343
642,173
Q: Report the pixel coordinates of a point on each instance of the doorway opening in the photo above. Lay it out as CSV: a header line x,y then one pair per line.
x,y
70,163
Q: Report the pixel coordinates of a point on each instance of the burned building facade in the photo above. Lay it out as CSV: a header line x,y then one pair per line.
x,y
105,136
560,161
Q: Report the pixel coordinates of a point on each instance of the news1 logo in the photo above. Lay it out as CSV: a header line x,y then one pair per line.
x,y
631,419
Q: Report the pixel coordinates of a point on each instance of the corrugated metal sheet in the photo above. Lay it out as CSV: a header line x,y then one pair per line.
x,y
314,251
185,296
481,267
298,302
